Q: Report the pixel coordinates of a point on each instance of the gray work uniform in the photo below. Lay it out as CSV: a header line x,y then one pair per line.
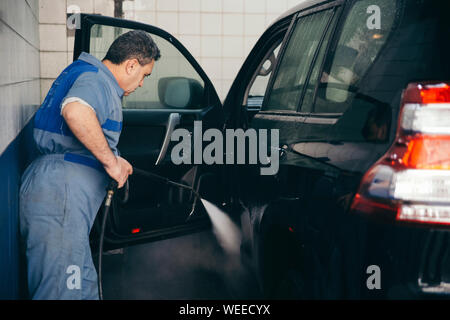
x,y
63,189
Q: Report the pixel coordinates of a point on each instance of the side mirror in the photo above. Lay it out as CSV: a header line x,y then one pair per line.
x,y
180,92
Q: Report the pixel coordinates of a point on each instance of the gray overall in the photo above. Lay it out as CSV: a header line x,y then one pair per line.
x,y
63,189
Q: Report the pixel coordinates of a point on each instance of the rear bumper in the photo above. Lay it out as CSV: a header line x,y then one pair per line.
x,y
414,262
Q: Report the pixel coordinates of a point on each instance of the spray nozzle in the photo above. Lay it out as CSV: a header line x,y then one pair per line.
x,y
112,185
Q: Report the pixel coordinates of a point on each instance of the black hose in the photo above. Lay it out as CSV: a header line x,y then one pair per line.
x,y
110,193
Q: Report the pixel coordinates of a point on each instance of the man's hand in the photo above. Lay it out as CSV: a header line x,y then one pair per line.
x,y
119,171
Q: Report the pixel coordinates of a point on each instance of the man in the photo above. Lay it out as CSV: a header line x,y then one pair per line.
x,y
76,130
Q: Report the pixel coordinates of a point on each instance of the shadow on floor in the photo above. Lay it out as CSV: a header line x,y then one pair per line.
x,y
188,267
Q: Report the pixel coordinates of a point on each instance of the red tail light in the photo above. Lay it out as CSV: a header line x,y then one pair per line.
x,y
428,152
411,182
435,94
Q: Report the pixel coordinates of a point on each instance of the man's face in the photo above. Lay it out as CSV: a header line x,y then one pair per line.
x,y
134,75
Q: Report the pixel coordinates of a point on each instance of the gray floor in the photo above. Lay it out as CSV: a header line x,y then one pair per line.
x,y
188,267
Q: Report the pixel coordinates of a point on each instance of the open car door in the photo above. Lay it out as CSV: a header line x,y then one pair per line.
x,y
176,94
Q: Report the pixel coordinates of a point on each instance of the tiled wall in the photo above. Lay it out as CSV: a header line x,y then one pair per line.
x,y
56,42
19,78
19,98
218,33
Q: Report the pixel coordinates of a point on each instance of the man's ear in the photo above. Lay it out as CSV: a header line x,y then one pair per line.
x,y
131,65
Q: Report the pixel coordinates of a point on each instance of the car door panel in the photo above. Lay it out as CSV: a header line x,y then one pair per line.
x,y
144,131
149,116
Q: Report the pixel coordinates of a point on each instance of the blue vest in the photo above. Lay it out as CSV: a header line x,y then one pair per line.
x,y
52,134
48,117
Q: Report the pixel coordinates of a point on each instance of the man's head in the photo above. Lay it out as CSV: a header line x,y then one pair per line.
x,y
131,58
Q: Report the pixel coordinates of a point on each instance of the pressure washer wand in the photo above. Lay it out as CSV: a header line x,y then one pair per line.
x,y
165,180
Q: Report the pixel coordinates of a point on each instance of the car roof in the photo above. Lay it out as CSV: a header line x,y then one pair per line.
x,y
299,7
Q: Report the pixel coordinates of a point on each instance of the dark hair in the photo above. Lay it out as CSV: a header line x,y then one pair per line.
x,y
134,44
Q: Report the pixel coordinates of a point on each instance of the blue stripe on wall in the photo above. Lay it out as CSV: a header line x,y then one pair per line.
x,y
13,161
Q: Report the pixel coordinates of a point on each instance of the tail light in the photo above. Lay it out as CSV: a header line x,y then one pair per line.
x,y
411,182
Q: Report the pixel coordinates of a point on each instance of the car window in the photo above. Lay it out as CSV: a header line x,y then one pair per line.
x,y
308,99
342,110
258,85
289,81
173,79
356,50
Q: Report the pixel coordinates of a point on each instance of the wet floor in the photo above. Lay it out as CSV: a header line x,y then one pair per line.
x,y
188,267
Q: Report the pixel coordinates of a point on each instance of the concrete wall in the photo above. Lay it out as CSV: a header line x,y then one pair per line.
x,y
19,98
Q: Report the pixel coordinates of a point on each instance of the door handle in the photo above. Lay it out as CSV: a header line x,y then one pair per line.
x,y
174,120
283,151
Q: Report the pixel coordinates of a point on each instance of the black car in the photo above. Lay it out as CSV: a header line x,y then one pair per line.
x,y
360,205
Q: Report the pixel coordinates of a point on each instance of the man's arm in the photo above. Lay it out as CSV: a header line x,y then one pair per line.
x,y
84,124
